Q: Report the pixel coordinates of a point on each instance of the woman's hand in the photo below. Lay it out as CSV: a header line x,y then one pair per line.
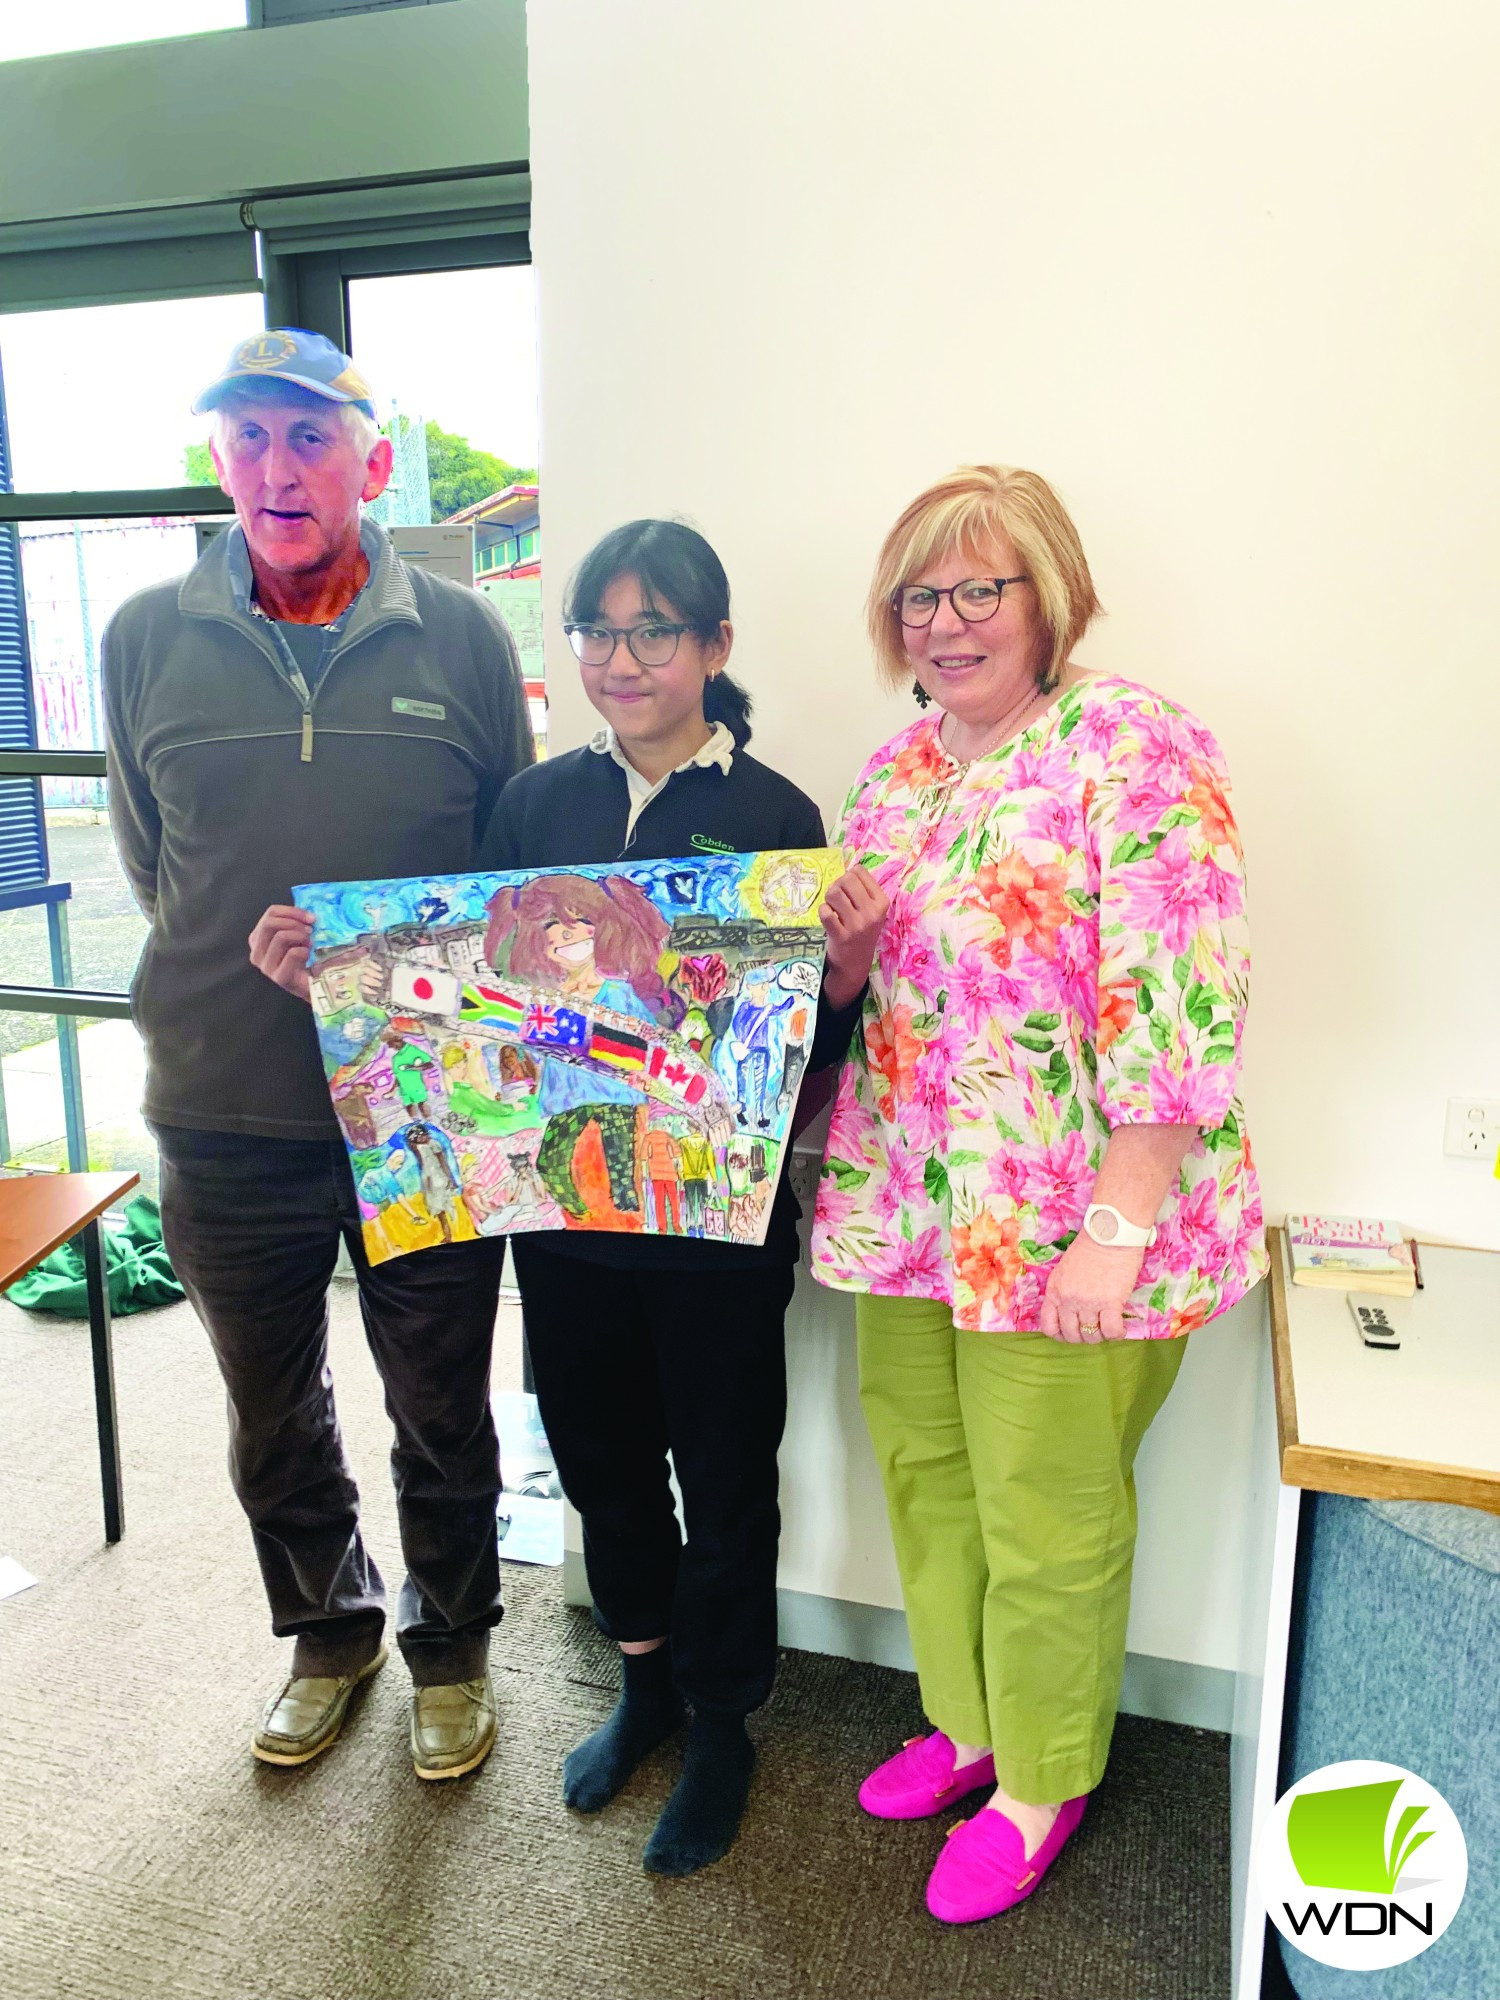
x,y
1087,1291
852,914
279,946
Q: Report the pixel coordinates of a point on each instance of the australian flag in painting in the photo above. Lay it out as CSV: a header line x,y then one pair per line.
x,y
556,1027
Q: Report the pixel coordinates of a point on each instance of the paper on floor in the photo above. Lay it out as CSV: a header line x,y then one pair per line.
x,y
13,1579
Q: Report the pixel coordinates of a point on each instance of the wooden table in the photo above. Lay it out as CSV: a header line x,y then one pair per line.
x,y
1419,1423
39,1213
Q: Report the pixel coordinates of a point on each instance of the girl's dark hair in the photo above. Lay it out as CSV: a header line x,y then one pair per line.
x,y
674,567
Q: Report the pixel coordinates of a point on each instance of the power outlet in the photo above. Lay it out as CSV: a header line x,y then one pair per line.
x,y
1473,1129
803,1175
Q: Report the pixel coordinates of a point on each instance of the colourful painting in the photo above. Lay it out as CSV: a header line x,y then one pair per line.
x,y
614,1047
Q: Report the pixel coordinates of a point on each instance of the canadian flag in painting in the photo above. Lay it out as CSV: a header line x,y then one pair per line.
x,y
669,1070
424,989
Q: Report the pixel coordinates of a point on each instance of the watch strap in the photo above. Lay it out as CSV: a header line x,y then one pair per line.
x,y
1127,1235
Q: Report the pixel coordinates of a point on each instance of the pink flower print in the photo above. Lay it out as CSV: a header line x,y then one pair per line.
x,y
851,1129
1192,1097
1225,887
1192,1241
1058,817
979,991
1170,893
1054,1183
919,965
1010,1175
901,1185
924,1114
1098,727
835,1208
1142,803
915,1269
1077,972
902,924
1164,750
1026,1299
1046,767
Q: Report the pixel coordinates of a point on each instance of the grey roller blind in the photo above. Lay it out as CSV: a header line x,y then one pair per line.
x,y
188,252
486,202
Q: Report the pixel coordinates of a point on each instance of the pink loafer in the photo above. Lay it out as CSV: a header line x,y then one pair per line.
x,y
920,1779
983,1869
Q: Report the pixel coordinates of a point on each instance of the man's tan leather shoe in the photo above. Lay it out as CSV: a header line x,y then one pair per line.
x,y
452,1727
307,1714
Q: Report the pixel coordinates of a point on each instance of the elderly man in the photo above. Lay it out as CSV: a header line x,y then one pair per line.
x,y
302,707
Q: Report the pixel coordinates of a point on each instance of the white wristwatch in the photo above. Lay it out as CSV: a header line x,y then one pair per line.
x,y
1106,1225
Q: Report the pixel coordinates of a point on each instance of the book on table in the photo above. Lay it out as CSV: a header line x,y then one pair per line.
x,y
1352,1254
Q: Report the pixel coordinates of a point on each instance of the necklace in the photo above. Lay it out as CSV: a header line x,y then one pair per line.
x,y
1008,727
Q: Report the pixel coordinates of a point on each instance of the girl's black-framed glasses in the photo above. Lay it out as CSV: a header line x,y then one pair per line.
x,y
653,644
976,599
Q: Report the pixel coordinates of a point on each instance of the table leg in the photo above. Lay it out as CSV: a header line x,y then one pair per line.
x,y
104,1380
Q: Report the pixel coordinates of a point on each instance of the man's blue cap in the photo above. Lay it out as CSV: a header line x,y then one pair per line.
x,y
291,354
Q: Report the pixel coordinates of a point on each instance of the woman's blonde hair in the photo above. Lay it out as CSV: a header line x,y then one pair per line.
x,y
966,513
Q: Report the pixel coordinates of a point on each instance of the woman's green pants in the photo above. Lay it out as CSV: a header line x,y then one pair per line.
x,y
1008,1462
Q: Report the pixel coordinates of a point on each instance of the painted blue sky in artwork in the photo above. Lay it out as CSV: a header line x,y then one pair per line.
x,y
706,885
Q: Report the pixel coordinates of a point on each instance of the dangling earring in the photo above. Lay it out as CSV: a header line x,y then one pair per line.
x,y
923,698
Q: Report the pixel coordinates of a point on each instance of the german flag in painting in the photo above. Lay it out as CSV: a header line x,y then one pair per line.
x,y
488,1003
613,1046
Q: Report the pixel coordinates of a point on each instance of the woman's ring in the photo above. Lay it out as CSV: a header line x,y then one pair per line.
x,y
1088,1326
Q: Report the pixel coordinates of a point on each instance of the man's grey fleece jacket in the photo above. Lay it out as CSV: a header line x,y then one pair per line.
x,y
229,783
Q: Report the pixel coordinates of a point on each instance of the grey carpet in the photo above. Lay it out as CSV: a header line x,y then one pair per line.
x,y
143,1853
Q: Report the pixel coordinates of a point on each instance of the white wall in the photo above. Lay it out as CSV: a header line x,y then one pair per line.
x,y
1228,278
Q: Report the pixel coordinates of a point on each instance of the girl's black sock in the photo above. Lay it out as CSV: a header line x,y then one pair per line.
x,y
648,1710
700,1820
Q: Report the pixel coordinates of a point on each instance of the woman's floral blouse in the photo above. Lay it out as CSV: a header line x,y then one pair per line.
x,y
1066,951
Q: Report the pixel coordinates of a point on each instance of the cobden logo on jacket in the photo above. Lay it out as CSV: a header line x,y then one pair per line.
x,y
1362,1865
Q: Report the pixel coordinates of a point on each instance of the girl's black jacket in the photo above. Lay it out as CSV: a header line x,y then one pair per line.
x,y
572,811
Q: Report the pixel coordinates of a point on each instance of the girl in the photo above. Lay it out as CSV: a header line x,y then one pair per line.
x,y
641,1345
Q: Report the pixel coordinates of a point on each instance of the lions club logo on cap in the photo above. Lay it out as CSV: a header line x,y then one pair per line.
x,y
266,350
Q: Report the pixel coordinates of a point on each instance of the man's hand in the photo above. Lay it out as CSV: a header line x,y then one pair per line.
x,y
852,914
279,946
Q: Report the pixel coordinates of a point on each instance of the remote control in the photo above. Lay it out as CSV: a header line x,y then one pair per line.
x,y
1375,1328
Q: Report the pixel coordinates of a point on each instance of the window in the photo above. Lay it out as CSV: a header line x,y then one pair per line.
x,y
70,1086
153,359
452,355
65,25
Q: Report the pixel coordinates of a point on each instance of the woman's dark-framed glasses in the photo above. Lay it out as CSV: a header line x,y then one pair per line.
x,y
974,600
654,644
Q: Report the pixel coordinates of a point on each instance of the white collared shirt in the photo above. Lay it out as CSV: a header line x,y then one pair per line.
x,y
719,749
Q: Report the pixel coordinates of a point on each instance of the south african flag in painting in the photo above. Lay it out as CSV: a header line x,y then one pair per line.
x,y
489,1003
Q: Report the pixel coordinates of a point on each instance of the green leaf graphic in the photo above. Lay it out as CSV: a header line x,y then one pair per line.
x,y
1337,1838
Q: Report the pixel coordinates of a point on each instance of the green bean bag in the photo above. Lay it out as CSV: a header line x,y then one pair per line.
x,y
135,1259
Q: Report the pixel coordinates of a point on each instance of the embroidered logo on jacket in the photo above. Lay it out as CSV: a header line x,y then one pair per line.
x,y
434,711
709,845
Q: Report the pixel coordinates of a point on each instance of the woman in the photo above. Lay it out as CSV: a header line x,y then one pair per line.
x,y
644,1344
1038,1178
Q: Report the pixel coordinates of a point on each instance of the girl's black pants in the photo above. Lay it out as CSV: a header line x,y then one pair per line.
x,y
630,1365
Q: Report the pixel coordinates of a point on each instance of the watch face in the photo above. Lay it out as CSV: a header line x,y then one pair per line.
x,y
1103,1226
